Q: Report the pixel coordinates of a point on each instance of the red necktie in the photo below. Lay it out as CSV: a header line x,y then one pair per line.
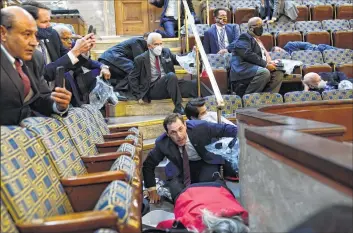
x,y
24,77
186,168
158,67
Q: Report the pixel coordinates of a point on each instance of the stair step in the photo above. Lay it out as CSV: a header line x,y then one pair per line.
x,y
150,126
133,108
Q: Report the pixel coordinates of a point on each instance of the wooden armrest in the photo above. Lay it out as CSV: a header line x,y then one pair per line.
x,y
115,129
94,178
75,222
117,135
104,157
113,143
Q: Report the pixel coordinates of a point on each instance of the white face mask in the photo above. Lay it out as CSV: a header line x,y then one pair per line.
x,y
321,85
157,50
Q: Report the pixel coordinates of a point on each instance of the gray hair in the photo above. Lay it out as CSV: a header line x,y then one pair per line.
x,y
152,37
60,28
214,224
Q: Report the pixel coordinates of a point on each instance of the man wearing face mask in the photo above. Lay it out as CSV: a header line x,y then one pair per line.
x,y
252,68
154,78
50,45
324,81
218,38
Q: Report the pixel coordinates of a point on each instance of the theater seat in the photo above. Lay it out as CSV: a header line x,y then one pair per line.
x,y
201,28
347,69
321,12
231,103
313,32
267,40
301,96
220,65
260,99
280,27
351,23
303,13
312,60
337,94
283,38
338,57
7,223
335,25
280,55
343,39
344,11
35,198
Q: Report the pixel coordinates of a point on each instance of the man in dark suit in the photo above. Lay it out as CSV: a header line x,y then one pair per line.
x,y
169,17
184,145
220,35
51,47
23,89
154,78
120,59
251,64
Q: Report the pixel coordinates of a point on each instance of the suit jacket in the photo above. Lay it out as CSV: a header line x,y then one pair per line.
x,y
287,8
164,4
140,77
200,133
13,108
210,40
246,58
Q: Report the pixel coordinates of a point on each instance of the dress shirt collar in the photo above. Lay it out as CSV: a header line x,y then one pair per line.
x,y
220,27
9,56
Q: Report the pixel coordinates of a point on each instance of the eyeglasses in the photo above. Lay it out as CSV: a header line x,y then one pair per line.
x,y
66,38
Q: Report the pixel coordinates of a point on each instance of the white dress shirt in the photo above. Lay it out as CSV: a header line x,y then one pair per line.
x,y
172,9
72,57
190,149
226,42
212,117
30,94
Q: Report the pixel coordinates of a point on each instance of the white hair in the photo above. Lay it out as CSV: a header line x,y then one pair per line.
x,y
60,28
152,37
214,224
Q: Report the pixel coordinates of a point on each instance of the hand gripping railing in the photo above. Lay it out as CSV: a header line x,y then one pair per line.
x,y
189,19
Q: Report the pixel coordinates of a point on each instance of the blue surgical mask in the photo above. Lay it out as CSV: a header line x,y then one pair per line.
x,y
44,33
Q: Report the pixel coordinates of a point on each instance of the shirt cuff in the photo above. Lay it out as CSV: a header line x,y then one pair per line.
x,y
56,110
152,189
72,57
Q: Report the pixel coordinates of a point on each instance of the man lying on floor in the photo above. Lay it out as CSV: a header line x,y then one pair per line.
x,y
208,207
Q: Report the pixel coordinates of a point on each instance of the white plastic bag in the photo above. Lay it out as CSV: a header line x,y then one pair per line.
x,y
228,148
102,92
188,62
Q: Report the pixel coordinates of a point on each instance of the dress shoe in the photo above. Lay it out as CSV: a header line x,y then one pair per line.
x,y
179,110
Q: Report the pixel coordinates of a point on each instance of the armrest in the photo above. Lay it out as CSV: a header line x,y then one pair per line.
x,y
93,178
117,135
103,157
75,222
116,129
113,143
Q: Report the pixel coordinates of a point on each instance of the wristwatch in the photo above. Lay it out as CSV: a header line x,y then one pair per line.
x,y
104,66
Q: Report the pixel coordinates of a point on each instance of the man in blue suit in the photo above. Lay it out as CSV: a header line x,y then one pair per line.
x,y
184,145
169,17
218,38
251,64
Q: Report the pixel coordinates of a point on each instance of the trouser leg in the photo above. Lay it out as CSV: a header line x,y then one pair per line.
x,y
259,81
275,82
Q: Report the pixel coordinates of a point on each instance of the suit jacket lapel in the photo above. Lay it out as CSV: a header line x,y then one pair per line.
x,y
12,75
163,61
215,35
229,33
51,50
174,150
148,64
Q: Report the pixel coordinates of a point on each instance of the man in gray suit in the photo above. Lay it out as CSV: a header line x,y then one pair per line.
x,y
282,10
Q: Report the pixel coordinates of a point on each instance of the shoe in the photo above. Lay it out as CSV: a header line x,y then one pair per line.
x,y
179,110
120,97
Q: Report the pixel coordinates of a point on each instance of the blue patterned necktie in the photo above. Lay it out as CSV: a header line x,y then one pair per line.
x,y
221,43
42,47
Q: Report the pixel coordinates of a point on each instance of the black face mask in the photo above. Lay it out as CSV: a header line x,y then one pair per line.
x,y
44,33
258,31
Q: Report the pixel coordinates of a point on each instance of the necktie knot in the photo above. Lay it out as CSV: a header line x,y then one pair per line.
x,y
18,64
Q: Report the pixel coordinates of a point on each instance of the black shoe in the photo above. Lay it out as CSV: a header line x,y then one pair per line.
x,y
179,110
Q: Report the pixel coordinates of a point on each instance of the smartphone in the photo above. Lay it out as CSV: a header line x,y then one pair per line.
x,y
60,77
90,29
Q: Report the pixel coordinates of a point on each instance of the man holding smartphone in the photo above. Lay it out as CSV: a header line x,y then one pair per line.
x,y
23,89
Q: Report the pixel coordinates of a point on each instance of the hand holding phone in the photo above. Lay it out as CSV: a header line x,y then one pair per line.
x,y
60,77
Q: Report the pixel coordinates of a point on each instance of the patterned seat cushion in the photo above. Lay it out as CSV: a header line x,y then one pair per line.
x,y
308,26
201,28
7,223
298,2
79,132
308,57
134,138
335,25
337,94
338,2
231,104
244,4
339,56
30,188
259,99
314,2
98,117
217,61
96,134
117,197
302,96
126,147
280,27
56,139
125,163
280,55
351,23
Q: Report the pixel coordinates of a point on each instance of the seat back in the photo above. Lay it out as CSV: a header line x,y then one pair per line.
x,y
301,96
244,27
318,37
280,27
7,223
322,12
339,56
335,25
218,4
314,2
201,28
231,104
337,94
284,37
60,147
234,4
79,132
30,187
267,40
218,61
97,115
308,57
308,26
259,99
343,39
280,55
344,11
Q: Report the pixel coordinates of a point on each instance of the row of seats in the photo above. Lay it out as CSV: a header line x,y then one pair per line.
x,y
242,11
233,102
338,33
72,172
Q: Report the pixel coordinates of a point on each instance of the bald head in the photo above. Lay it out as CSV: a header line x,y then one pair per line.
x,y
255,21
18,32
311,78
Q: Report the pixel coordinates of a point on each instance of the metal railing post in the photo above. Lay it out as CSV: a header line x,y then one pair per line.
x,y
179,20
